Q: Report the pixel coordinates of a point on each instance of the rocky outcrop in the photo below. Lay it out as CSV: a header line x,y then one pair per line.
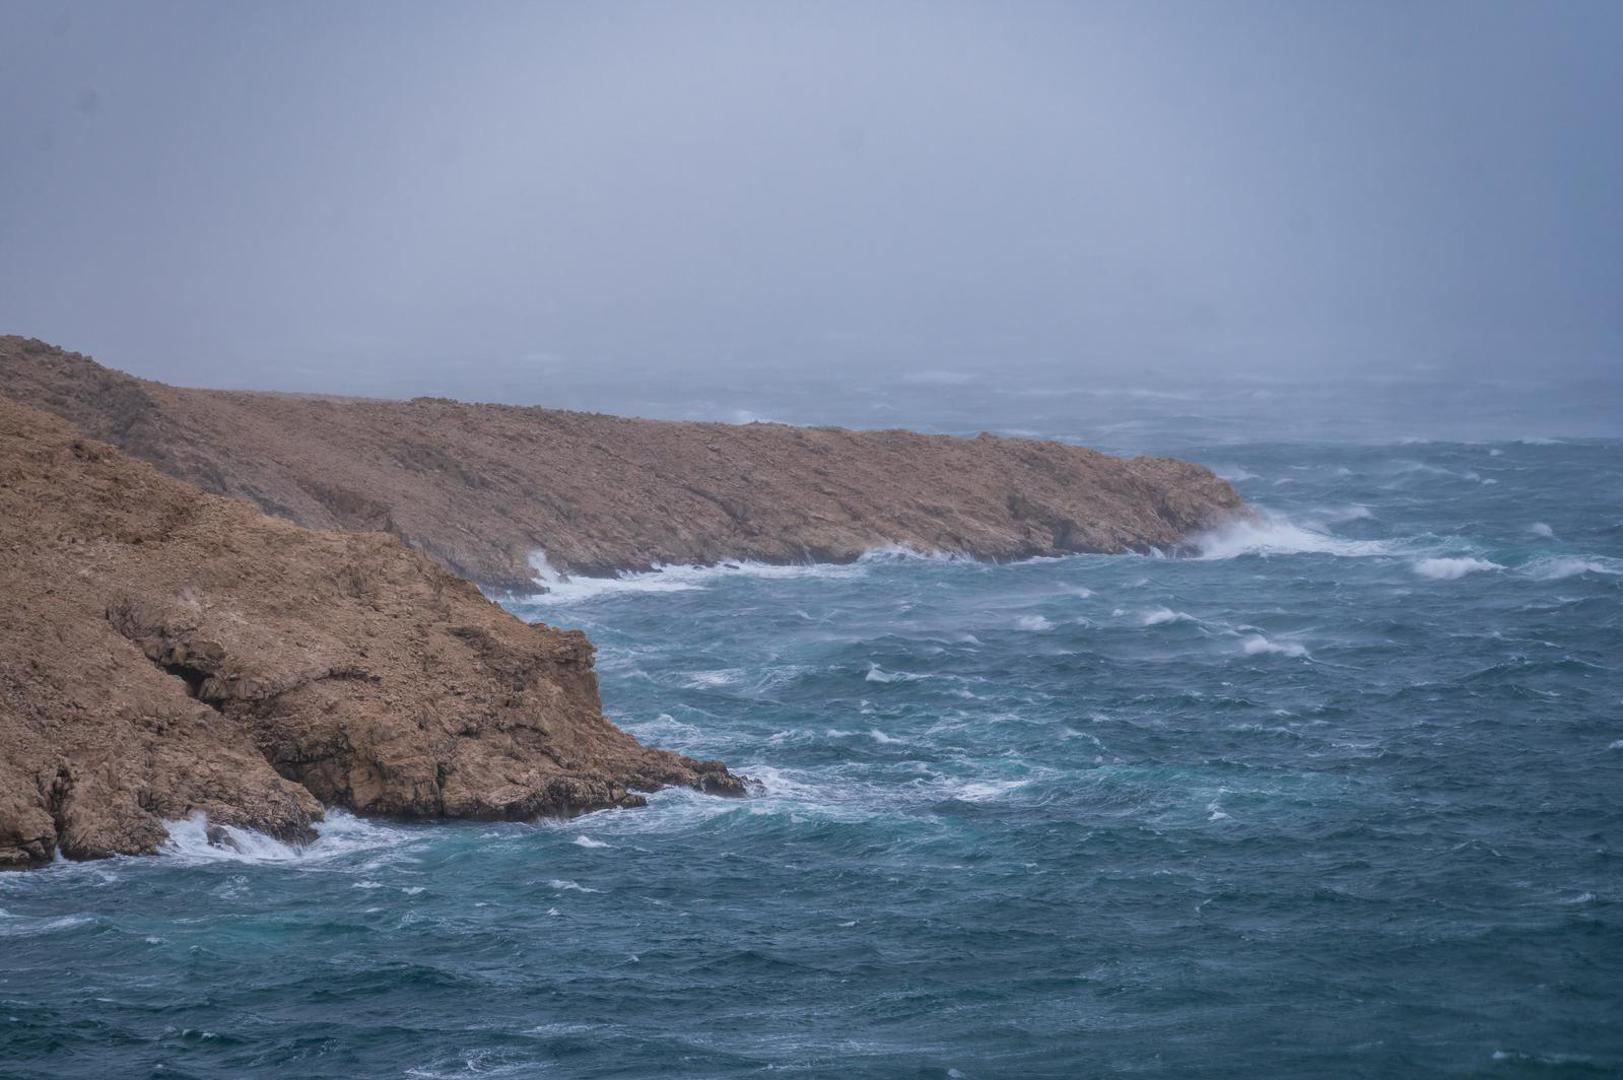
x,y
482,487
163,651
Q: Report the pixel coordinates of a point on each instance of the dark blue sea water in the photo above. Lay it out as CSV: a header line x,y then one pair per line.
x,y
1341,797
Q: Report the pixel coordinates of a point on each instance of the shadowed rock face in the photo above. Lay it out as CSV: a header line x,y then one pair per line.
x,y
164,651
482,487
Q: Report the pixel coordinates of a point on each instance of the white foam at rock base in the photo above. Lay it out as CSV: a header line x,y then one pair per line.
x,y
339,834
564,588
1273,534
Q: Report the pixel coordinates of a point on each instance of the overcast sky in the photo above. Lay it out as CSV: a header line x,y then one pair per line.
x,y
368,196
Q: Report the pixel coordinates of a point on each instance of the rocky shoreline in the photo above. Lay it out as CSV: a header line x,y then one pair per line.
x,y
483,488
164,651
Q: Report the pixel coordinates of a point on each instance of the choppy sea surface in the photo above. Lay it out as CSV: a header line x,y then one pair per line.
x,y
1341,796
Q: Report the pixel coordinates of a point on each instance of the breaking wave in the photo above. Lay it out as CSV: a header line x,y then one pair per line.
x,y
1559,567
1273,534
193,839
1449,569
562,588
1256,645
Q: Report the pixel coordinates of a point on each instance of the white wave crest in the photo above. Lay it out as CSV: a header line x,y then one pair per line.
x,y
1161,615
1033,622
1538,528
878,674
587,842
35,925
1450,569
1272,534
1256,644
339,834
1556,568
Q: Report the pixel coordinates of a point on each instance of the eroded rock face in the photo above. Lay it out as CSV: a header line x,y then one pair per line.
x,y
163,651
482,487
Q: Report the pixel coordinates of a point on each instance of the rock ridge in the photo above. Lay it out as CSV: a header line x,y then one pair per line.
x,y
481,488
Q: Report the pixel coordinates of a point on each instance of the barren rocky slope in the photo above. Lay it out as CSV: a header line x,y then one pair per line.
x,y
163,651
482,487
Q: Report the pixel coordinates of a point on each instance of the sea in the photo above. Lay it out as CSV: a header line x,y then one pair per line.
x,y
1339,793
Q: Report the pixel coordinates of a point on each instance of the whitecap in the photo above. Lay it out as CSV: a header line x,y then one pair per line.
x,y
1234,473
878,674
1538,528
31,926
1272,534
1257,644
1450,569
588,842
885,740
569,886
1160,615
1033,622
1554,569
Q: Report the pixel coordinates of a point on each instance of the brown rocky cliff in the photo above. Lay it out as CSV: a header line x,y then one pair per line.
x,y
164,651
481,487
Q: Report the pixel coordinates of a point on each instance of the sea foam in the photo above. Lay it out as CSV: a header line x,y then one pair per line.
x,y
1556,568
562,588
1449,569
1273,534
338,835
1256,644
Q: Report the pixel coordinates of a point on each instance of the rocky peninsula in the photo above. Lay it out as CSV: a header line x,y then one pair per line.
x,y
164,651
483,488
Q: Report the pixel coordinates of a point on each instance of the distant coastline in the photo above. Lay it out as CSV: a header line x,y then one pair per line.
x,y
481,488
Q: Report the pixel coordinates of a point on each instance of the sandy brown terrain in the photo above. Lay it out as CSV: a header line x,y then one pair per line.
x,y
163,651
482,487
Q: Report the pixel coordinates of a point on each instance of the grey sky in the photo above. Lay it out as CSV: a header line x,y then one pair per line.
x,y
396,197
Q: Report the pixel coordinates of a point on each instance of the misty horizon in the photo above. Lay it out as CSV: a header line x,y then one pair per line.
x,y
503,202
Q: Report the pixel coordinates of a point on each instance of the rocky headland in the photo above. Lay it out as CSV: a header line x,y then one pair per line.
x,y
482,488
165,651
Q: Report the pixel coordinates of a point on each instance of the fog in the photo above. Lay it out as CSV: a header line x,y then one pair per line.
x,y
588,203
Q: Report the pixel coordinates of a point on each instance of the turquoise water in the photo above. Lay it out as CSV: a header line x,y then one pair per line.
x,y
1341,797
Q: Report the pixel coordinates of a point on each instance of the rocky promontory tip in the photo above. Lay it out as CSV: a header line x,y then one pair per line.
x,y
483,488
163,652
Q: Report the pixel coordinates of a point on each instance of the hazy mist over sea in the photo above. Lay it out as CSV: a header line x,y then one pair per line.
x,y
834,211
